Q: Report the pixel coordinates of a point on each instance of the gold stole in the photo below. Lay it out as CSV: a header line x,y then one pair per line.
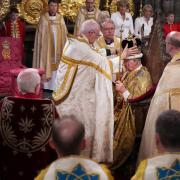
x,y
59,43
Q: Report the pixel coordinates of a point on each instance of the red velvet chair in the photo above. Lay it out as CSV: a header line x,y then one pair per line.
x,y
140,106
25,128
146,95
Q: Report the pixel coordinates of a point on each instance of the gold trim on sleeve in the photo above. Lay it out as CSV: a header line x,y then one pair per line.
x,y
68,60
67,83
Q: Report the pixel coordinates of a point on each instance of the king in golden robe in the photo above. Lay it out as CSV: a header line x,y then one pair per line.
x,y
134,83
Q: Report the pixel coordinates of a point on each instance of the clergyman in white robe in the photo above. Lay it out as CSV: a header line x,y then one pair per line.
x,y
83,87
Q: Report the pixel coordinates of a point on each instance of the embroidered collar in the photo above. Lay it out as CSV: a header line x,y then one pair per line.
x,y
176,57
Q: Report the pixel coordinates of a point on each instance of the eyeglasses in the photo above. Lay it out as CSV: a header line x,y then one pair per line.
x,y
93,32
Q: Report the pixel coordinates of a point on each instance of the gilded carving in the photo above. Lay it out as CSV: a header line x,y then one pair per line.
x,y
70,8
4,8
31,10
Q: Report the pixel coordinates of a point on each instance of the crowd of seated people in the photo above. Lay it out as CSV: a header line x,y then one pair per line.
x,y
132,81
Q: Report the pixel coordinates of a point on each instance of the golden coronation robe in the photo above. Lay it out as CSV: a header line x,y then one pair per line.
x,y
83,87
167,96
137,82
49,42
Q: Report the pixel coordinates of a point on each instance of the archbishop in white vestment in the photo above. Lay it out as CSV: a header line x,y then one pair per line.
x,y
83,87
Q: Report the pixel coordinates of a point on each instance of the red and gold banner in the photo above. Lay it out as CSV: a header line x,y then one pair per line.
x,y
11,53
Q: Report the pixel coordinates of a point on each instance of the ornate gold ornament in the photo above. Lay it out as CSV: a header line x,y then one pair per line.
x,y
4,8
31,10
131,7
70,8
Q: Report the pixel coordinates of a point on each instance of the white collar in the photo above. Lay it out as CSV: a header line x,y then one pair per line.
x,y
138,68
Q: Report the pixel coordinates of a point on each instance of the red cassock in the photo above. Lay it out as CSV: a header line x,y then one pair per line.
x,y
14,29
171,27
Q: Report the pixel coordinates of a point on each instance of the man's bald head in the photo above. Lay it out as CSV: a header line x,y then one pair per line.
x,y
173,43
174,38
67,134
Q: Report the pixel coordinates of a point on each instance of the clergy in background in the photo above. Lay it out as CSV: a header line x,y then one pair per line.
x,y
108,40
49,42
89,11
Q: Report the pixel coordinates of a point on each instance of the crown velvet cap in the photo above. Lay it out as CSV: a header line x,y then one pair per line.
x,y
134,41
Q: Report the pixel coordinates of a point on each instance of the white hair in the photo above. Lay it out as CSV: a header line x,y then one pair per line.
x,y
102,16
89,25
28,80
107,21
